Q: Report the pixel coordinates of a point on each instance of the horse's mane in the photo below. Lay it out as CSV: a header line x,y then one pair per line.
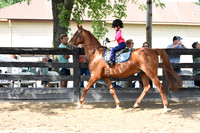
x,y
92,36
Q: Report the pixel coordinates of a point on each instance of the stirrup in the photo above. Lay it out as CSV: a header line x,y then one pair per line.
x,y
111,63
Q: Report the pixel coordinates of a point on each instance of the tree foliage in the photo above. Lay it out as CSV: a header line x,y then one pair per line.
x,y
5,3
198,3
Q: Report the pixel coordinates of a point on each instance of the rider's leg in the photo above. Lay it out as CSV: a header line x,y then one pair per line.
x,y
117,48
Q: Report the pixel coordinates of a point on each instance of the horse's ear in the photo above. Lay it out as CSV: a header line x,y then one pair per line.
x,y
79,27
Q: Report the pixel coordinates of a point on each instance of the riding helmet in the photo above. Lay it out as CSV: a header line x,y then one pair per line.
x,y
116,23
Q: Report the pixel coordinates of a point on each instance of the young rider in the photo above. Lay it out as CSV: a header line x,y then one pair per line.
x,y
117,24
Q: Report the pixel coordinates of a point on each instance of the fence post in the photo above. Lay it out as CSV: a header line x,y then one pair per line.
x,y
76,75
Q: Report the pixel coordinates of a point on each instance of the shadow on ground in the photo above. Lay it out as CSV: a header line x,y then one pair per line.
x,y
184,109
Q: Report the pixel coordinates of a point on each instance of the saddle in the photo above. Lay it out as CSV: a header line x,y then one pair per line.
x,y
120,56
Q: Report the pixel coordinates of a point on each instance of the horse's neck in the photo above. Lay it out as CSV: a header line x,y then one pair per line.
x,y
90,44
90,47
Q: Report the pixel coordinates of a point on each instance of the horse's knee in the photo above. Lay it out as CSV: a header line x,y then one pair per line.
x,y
145,91
85,89
112,91
146,88
161,89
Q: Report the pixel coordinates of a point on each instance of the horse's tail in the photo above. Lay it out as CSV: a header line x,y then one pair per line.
x,y
172,80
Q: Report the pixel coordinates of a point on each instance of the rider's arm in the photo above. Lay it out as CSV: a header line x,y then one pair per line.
x,y
113,40
117,36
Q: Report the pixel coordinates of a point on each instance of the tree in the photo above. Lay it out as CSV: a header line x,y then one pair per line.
x,y
198,3
61,16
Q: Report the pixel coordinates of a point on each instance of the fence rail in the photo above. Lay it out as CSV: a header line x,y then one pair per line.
x,y
73,94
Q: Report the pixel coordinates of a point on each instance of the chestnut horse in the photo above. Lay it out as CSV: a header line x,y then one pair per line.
x,y
142,59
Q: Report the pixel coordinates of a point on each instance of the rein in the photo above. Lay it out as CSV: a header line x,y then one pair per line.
x,y
74,46
77,38
93,51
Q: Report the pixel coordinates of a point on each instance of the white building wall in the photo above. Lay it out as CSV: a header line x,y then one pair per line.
x,y
4,34
32,34
163,35
26,34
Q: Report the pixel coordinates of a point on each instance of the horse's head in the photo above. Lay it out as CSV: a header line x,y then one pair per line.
x,y
77,39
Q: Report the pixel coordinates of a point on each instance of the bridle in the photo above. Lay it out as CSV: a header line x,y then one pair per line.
x,y
74,46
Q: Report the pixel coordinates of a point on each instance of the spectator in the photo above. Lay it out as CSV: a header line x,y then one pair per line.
x,y
64,59
32,70
128,83
83,59
177,44
1,80
130,43
49,60
14,56
196,59
44,71
83,71
146,45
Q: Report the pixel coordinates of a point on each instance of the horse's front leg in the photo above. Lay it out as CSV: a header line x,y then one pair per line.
x,y
112,91
89,84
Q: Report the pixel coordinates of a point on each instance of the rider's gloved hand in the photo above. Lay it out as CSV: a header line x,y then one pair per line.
x,y
107,40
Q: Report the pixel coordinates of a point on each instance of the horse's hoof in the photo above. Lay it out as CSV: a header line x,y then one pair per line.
x,y
79,106
119,108
165,109
136,105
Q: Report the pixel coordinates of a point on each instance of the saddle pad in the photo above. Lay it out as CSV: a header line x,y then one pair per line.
x,y
122,57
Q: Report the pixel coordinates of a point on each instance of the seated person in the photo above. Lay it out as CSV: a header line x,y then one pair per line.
x,y
196,59
147,45
49,60
128,83
44,71
32,70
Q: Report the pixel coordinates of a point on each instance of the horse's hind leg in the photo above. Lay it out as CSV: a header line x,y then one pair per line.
x,y
146,85
89,84
160,87
112,91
